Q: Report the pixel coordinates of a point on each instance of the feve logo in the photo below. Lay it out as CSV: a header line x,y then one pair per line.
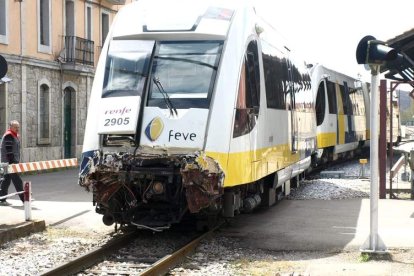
x,y
154,129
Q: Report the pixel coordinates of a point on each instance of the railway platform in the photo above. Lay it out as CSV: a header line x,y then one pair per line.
x,y
325,225
60,202
74,215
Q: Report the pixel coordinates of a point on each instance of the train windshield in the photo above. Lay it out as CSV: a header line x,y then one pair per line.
x,y
184,73
127,67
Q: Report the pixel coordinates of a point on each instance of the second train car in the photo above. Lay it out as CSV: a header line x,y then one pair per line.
x,y
196,108
342,113
342,106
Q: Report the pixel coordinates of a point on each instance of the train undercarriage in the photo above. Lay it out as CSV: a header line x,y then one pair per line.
x,y
154,192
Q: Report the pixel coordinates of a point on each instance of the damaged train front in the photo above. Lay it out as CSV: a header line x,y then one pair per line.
x,y
150,169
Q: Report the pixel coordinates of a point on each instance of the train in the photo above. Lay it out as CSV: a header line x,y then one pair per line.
x,y
342,107
201,109
342,114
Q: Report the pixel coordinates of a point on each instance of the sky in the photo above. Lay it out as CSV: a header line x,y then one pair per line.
x,y
328,32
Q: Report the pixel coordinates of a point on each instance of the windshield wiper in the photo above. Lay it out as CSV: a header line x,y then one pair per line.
x,y
165,96
198,62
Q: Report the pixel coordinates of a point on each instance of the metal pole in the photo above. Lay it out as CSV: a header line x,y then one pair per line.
x,y
374,243
27,200
391,149
382,147
411,162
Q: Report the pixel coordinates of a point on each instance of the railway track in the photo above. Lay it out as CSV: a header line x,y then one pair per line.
x,y
314,172
122,256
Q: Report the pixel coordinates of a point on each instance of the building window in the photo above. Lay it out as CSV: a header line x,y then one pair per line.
x,y
104,26
44,114
3,21
44,15
88,22
70,17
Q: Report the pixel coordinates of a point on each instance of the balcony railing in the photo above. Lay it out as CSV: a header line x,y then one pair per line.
x,y
116,2
79,50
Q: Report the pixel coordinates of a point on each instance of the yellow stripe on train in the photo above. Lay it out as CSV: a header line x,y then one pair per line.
x,y
249,166
325,140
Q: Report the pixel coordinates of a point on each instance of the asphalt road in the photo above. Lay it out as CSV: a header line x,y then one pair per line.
x,y
59,201
57,186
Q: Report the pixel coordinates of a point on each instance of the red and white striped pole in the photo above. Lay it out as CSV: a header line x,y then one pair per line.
x,y
28,200
42,165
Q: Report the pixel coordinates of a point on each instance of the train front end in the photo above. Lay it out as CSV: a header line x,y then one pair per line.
x,y
143,155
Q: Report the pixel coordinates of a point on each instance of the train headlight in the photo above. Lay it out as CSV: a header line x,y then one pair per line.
x,y
158,187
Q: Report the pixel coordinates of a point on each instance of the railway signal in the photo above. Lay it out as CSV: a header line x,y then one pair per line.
x,y
375,54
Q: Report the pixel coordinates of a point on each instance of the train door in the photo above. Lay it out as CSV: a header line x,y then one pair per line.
x,y
253,93
350,135
247,105
331,124
340,138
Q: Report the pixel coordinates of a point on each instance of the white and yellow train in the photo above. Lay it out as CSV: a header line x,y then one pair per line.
x,y
199,107
342,113
342,106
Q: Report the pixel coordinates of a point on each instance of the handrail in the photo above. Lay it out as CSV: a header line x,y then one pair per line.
x,y
79,50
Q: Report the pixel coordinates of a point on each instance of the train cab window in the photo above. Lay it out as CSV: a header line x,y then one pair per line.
x,y
127,66
331,97
247,106
320,104
183,73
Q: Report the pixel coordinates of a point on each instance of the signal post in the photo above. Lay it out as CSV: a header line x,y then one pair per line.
x,y
375,54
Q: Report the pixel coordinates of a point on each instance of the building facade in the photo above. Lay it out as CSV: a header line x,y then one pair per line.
x,y
52,48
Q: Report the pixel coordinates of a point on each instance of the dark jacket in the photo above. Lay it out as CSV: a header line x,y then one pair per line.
x,y
10,148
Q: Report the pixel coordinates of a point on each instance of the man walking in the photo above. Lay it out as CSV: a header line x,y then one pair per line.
x,y
10,153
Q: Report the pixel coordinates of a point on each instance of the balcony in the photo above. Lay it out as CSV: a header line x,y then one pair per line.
x,y
116,2
77,53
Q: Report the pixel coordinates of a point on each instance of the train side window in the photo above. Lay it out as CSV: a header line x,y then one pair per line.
x,y
346,101
275,75
252,77
320,104
331,97
356,102
241,125
247,106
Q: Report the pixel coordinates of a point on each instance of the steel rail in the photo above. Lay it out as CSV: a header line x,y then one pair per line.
x,y
163,266
92,257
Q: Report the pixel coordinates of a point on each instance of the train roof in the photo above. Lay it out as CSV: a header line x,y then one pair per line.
x,y
146,18
331,74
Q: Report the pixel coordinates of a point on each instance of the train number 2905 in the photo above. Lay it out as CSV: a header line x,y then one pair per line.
x,y
117,121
